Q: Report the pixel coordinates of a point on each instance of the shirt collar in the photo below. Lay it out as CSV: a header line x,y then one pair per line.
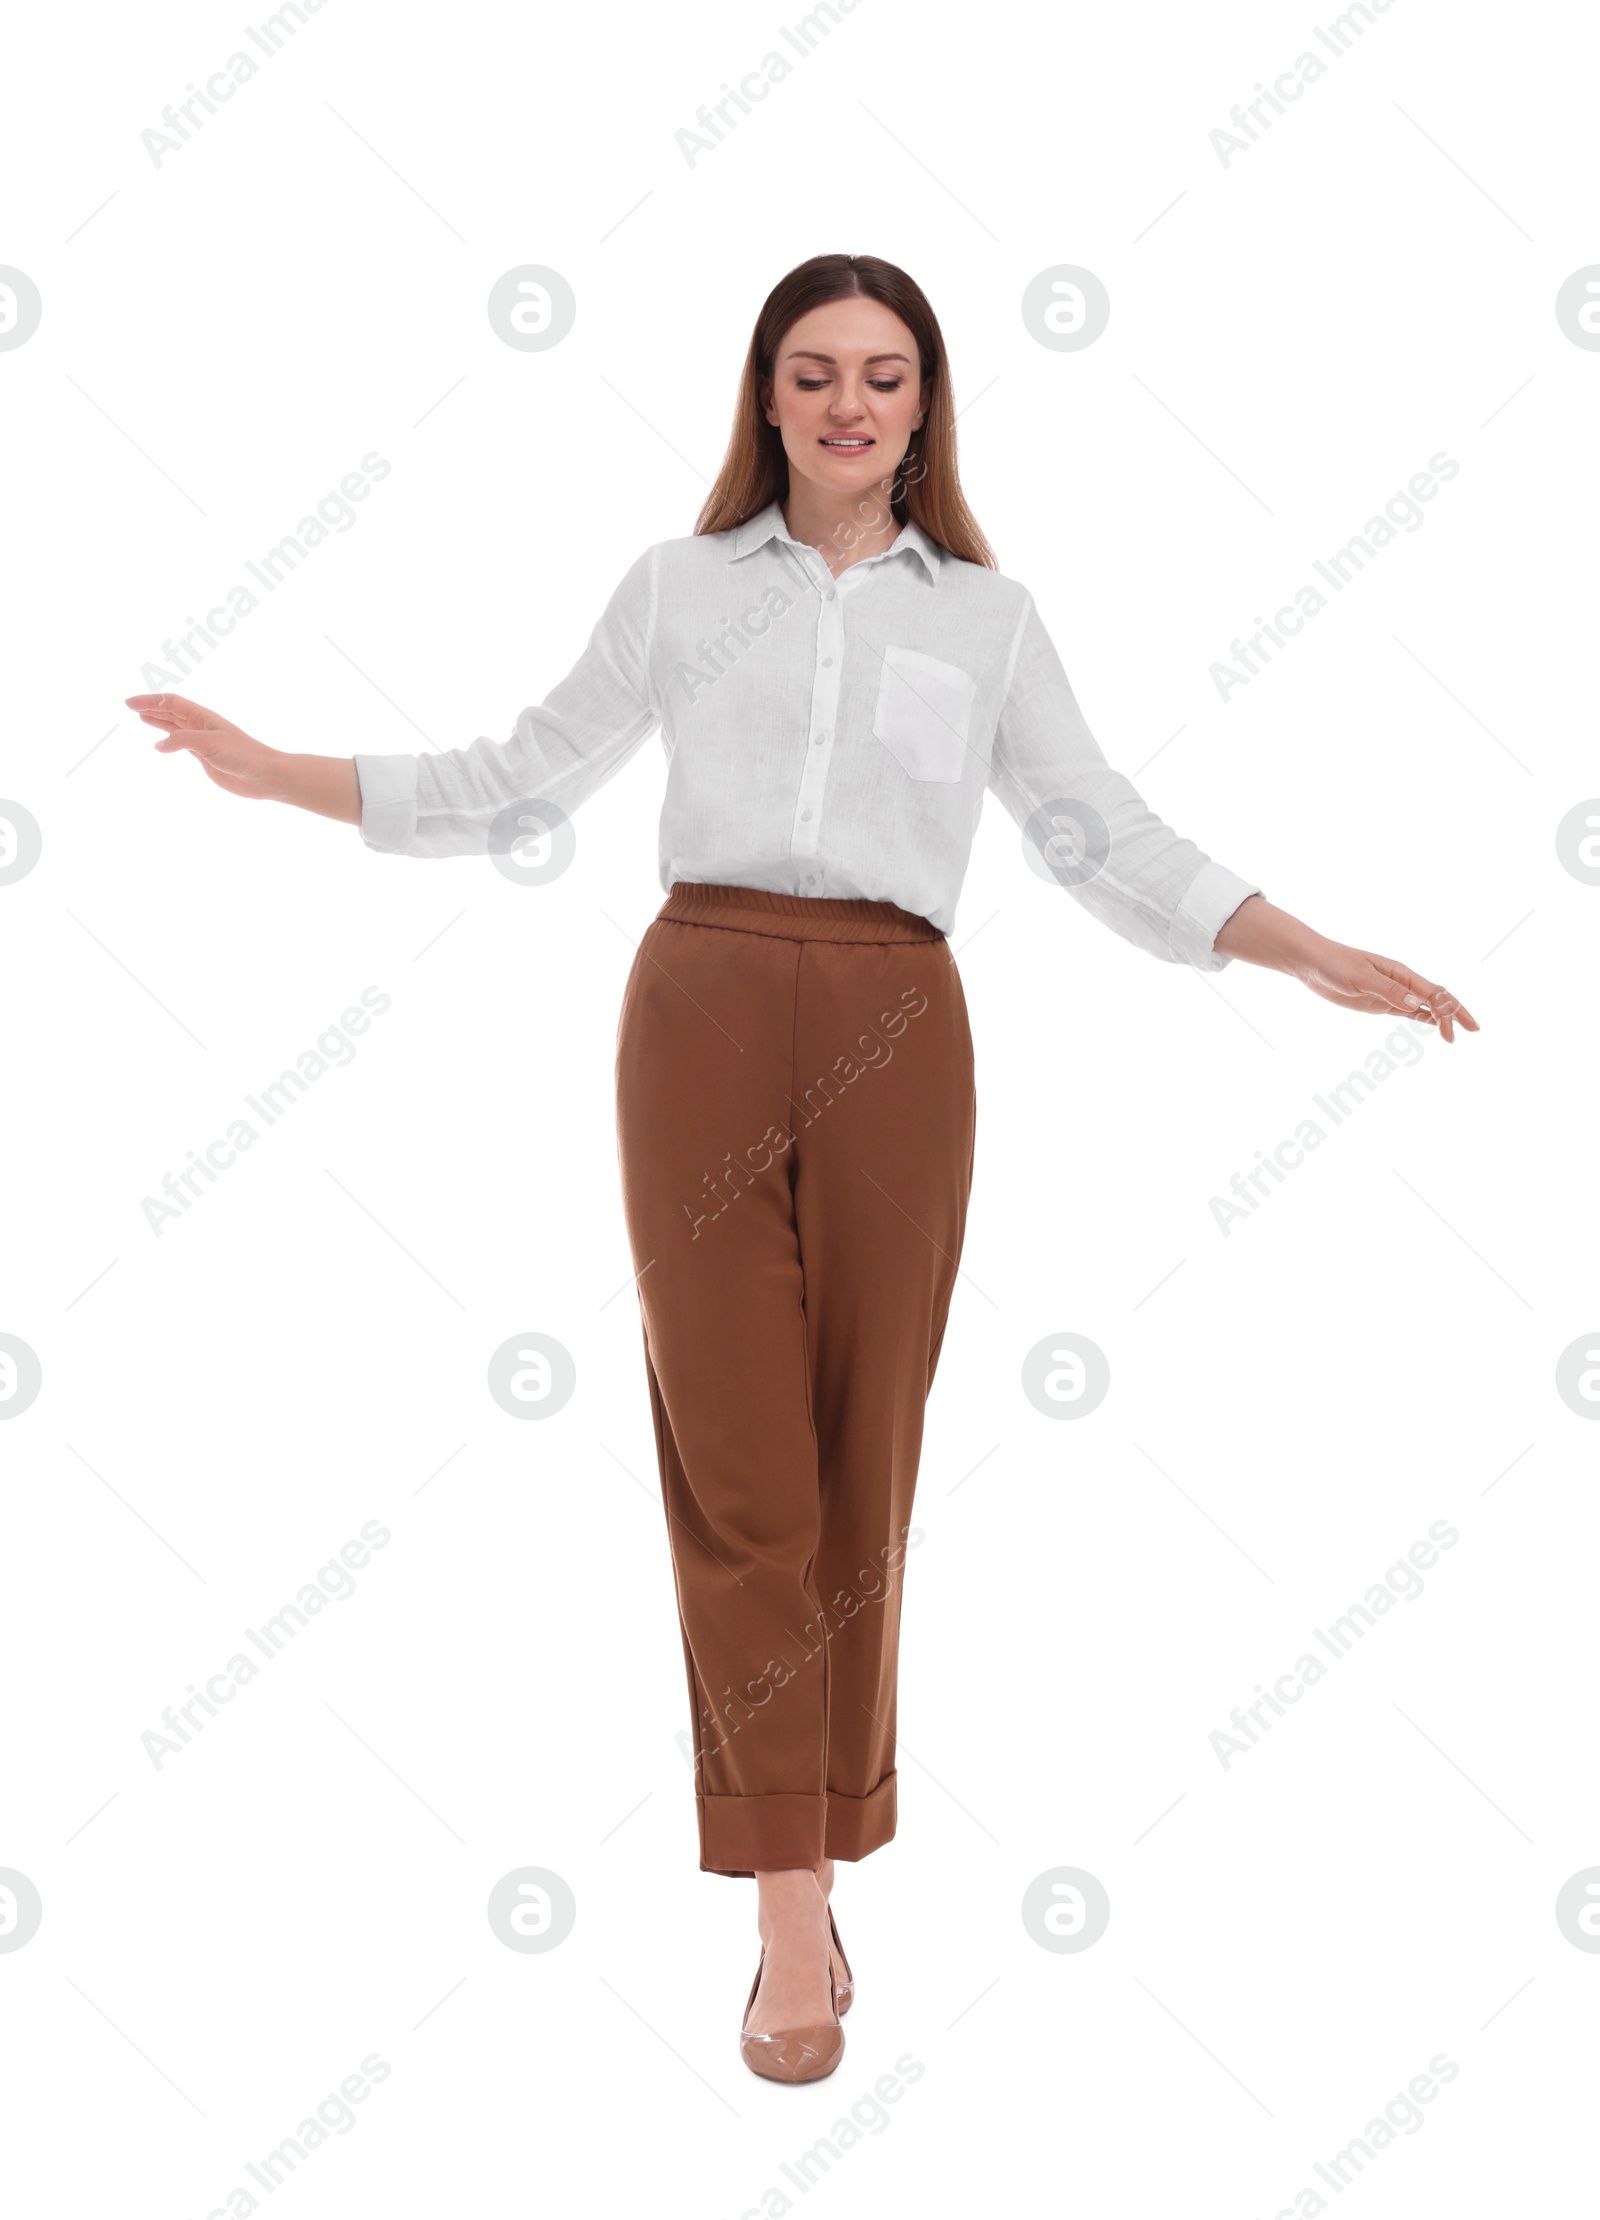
x,y
768,524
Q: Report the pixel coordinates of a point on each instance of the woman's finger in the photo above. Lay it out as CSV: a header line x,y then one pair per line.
x,y
1426,999
180,720
1432,1004
172,710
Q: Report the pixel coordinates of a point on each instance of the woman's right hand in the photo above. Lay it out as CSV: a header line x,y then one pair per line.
x,y
232,760
226,754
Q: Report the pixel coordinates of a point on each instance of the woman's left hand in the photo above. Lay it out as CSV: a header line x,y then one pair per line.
x,y
1356,979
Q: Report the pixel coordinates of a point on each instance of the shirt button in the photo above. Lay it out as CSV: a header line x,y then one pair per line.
x,y
820,741
805,817
827,662
811,878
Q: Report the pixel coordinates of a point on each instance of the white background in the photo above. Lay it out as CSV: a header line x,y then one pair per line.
x,y
1292,1939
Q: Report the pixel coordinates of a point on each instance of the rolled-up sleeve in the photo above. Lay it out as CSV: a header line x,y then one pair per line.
x,y
585,729
1097,838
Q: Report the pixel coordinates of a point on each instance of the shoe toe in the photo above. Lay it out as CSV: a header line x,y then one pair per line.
x,y
794,2053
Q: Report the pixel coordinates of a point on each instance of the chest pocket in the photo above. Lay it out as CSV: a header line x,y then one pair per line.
x,y
923,714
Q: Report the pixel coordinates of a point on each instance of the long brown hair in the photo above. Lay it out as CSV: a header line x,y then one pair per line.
x,y
927,486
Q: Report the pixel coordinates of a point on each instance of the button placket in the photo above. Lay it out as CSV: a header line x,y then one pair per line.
x,y
806,831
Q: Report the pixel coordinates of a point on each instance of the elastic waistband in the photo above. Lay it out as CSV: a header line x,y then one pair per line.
x,y
749,909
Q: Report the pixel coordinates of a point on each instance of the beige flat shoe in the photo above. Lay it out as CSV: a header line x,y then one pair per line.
x,y
847,1988
793,2053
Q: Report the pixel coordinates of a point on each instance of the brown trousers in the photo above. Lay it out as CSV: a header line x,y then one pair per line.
x,y
795,1128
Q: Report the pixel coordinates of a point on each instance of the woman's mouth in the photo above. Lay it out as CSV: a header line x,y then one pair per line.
x,y
848,444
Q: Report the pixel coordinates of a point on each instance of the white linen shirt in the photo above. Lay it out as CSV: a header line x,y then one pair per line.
x,y
828,737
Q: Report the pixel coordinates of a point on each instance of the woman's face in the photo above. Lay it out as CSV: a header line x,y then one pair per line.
x,y
846,393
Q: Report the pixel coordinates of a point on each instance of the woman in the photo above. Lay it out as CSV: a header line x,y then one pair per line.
x,y
839,672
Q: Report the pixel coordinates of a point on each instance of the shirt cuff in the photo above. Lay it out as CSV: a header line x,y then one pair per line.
x,y
1209,901
388,786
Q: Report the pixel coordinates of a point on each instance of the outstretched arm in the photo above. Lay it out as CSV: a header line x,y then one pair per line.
x,y
1353,977
1143,880
445,804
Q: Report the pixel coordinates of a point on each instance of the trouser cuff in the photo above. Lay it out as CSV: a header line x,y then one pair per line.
x,y
858,1825
740,1835
743,1835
